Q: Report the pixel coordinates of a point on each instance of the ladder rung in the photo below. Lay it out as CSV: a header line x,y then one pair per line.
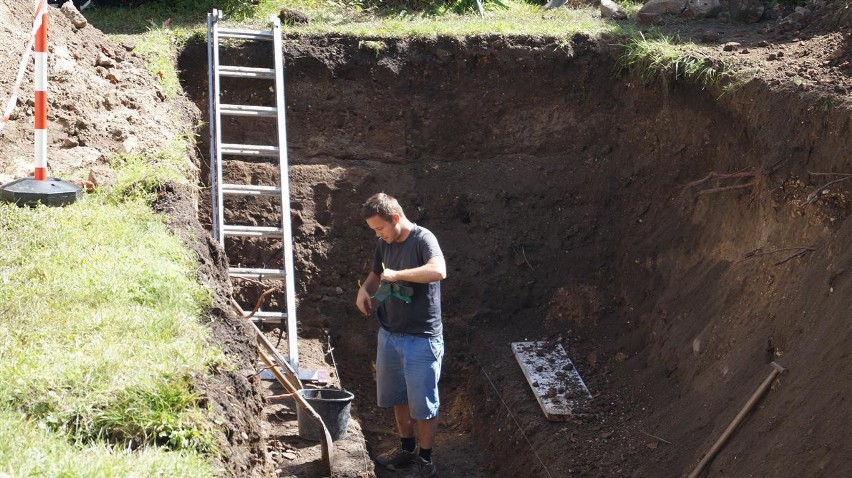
x,y
246,110
246,72
264,321
245,34
250,190
233,230
250,150
256,273
269,317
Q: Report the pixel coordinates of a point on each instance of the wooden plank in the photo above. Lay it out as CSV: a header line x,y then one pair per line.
x,y
288,379
555,382
326,442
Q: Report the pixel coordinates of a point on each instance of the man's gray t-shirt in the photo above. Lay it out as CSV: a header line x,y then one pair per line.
x,y
422,317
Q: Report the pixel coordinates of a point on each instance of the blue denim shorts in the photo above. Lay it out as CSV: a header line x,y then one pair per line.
x,y
407,372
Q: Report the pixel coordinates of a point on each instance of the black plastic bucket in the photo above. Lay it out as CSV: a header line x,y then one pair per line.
x,y
332,405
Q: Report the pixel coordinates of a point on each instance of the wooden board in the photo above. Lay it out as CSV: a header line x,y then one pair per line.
x,y
555,382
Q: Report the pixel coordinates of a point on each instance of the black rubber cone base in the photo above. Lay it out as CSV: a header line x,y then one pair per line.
x,y
50,192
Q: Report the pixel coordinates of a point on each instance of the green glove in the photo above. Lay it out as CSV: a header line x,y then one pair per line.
x,y
387,289
383,292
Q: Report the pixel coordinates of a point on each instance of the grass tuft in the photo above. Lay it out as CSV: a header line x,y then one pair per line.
x,y
659,58
142,176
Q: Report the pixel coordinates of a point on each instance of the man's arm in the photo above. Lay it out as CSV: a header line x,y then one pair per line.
x,y
365,292
433,270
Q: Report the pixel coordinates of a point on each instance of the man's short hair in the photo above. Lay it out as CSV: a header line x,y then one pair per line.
x,y
382,205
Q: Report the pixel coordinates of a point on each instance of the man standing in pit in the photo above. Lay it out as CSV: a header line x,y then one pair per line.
x,y
404,290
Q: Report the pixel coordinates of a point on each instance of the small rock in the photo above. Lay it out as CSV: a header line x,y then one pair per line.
x,y
763,43
70,142
289,455
703,8
289,16
104,61
709,37
63,66
130,144
114,77
660,7
610,9
744,51
731,46
772,57
71,13
110,101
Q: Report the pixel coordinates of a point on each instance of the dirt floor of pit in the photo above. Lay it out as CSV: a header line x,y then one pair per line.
x,y
557,191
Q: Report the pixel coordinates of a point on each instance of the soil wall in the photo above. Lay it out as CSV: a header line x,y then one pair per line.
x,y
559,194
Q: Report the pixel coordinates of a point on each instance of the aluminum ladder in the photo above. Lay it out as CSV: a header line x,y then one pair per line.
x,y
223,152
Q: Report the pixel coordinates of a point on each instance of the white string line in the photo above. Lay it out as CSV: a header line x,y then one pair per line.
x,y
513,417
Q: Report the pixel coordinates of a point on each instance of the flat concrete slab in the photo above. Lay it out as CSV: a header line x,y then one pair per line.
x,y
555,382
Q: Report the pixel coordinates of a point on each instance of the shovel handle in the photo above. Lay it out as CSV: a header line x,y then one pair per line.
x,y
776,369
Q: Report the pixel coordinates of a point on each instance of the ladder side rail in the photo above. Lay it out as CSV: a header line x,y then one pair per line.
x,y
219,218
211,116
287,236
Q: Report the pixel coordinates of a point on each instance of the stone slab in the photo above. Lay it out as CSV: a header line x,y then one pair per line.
x,y
555,381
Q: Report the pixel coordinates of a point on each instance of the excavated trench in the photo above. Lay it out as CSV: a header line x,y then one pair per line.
x,y
559,193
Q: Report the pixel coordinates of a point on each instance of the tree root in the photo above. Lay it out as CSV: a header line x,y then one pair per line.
x,y
799,252
718,179
817,193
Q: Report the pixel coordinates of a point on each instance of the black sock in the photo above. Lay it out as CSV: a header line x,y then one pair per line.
x,y
408,444
426,454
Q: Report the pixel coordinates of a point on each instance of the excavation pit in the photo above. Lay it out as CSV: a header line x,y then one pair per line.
x,y
573,205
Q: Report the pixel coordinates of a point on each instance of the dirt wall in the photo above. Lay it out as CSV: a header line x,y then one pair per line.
x,y
558,193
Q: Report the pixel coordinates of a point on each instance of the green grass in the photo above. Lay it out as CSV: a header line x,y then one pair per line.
x,y
141,176
99,339
29,449
343,17
657,57
517,19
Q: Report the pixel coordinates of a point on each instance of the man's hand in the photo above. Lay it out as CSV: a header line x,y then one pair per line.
x,y
390,275
364,302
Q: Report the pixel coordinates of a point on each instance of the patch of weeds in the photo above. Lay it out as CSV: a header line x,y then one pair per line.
x,y
376,46
660,58
159,47
167,416
28,448
142,176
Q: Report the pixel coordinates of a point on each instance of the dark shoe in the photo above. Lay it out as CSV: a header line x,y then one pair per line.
x,y
396,459
422,469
